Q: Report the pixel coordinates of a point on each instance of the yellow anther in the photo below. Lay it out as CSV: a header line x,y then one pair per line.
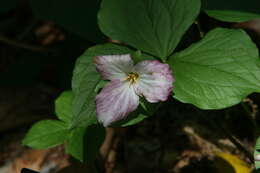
x,y
132,77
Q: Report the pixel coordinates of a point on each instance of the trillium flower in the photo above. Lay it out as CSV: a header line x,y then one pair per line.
x,y
150,79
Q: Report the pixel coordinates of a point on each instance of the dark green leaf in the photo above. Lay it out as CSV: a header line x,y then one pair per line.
x,y
133,120
84,143
79,17
63,106
85,81
46,134
232,16
217,72
153,26
149,108
144,111
135,117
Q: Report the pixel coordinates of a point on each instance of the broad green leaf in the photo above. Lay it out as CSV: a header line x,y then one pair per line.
x,y
84,143
257,153
243,5
153,26
75,144
79,17
85,81
63,106
46,134
8,5
232,16
217,72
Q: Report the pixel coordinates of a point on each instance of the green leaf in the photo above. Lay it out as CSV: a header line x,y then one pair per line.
x,y
133,120
84,143
138,56
85,81
149,108
144,111
217,72
135,117
63,106
100,85
47,133
8,5
153,26
257,152
79,17
232,16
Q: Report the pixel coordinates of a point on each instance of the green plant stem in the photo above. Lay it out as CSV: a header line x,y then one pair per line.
x,y
202,34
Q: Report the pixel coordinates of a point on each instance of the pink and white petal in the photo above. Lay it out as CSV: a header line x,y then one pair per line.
x,y
155,80
154,66
116,100
114,66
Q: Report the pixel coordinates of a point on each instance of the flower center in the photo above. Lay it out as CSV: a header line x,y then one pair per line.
x,y
132,77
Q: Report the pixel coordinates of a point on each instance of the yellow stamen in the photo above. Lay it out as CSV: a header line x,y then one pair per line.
x,y
132,77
